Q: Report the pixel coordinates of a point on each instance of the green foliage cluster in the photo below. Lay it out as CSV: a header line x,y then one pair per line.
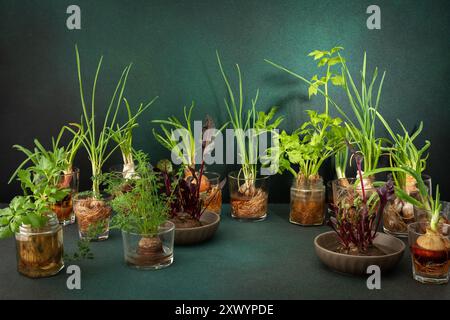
x,y
124,136
360,134
96,143
404,152
59,157
248,125
363,102
39,185
186,130
326,59
142,208
310,145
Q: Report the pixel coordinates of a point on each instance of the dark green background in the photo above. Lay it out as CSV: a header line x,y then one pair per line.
x,y
172,45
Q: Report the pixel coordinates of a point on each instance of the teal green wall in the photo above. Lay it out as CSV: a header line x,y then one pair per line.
x,y
172,45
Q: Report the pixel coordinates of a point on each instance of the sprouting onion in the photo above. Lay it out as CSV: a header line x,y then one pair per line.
x,y
124,137
247,125
96,142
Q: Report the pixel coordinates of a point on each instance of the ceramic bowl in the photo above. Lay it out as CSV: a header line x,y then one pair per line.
x,y
357,265
189,236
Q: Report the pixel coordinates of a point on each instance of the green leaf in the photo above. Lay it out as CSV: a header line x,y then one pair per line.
x,y
59,195
5,232
335,60
317,54
323,62
4,221
338,80
336,49
312,90
34,219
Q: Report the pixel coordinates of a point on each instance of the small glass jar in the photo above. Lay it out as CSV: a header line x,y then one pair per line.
x,y
308,202
429,252
347,190
211,193
92,217
40,250
248,198
399,214
149,252
64,208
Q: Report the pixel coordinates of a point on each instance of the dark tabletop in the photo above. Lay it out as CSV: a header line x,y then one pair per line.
x,y
272,259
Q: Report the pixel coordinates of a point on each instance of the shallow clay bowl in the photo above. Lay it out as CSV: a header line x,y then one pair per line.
x,y
357,265
188,236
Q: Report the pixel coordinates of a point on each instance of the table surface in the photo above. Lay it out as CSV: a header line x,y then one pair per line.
x,y
272,259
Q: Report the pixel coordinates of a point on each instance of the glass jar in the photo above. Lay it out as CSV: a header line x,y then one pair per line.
x,y
347,190
64,208
149,252
92,216
40,250
248,197
211,193
399,214
429,252
308,202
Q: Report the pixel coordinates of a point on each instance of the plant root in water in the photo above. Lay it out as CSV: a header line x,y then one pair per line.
x,y
150,252
90,212
307,212
249,205
40,255
63,208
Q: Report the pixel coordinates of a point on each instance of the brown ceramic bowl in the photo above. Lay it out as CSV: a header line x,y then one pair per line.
x,y
188,236
357,265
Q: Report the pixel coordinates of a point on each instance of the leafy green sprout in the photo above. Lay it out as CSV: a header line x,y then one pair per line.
x,y
40,193
187,136
364,109
326,59
72,146
40,183
143,208
96,143
425,202
405,153
363,104
247,125
406,160
309,146
61,158
124,137
40,158
186,148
